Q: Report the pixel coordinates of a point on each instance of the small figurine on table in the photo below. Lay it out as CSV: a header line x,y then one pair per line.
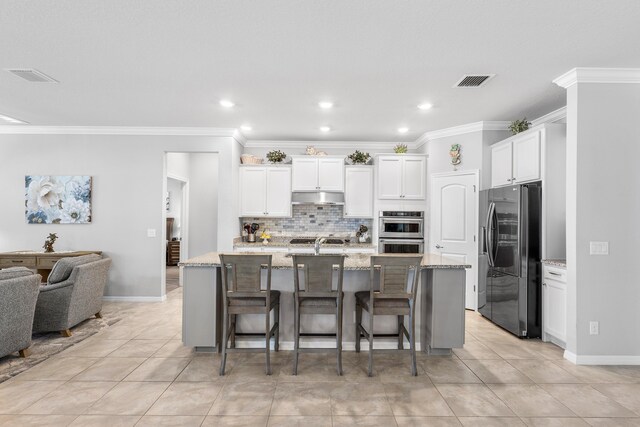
x,y
48,244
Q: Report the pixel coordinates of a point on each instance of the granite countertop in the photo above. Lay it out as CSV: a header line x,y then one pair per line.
x,y
555,262
283,242
352,261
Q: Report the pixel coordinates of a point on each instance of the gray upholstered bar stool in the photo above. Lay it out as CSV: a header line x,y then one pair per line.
x,y
318,297
242,294
397,296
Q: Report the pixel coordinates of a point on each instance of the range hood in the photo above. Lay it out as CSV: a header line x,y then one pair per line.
x,y
317,198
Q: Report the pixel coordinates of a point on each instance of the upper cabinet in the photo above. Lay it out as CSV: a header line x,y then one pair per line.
x,y
318,173
265,191
358,192
517,159
401,177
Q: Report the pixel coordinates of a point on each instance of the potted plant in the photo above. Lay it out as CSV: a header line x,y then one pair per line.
x,y
400,148
518,126
359,158
276,156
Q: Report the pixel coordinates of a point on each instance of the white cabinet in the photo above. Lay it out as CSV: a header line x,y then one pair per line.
x,y
401,177
358,192
554,305
318,173
265,191
517,159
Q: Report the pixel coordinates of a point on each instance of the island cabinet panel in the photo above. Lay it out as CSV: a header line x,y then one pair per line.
x,y
358,192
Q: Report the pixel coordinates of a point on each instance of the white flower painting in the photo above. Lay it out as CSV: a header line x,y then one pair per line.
x,y
57,199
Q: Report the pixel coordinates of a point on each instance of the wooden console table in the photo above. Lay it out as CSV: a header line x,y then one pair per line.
x,y
40,261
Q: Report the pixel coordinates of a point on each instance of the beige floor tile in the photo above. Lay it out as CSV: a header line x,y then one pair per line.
x,y
138,348
109,369
360,399
172,420
310,368
235,421
174,348
555,422
299,421
428,422
4,419
94,348
512,349
158,369
628,395
42,420
105,421
449,371
252,371
15,396
158,332
253,398
631,371
613,422
411,399
470,400
70,398
544,371
396,370
119,332
491,421
345,420
309,398
128,398
203,369
475,350
586,401
58,369
187,398
497,372
529,400
595,374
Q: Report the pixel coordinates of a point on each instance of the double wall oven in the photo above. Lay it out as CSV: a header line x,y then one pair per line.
x,y
401,232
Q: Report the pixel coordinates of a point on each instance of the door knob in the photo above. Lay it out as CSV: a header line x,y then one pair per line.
x,y
439,247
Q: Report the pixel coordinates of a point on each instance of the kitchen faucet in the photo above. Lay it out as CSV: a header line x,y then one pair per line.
x,y
319,241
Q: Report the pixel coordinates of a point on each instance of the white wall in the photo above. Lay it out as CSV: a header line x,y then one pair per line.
x,y
128,198
203,203
603,148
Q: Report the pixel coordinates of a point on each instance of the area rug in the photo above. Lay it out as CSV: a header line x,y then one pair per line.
x,y
45,345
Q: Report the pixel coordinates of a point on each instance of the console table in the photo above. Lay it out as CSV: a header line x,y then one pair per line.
x,y
40,261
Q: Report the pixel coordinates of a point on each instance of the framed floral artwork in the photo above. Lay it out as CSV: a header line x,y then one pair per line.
x,y
51,199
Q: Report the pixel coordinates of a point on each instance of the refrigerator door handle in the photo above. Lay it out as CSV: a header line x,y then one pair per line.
x,y
523,238
489,232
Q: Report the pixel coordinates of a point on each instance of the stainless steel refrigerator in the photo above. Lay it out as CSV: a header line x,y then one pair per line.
x,y
509,282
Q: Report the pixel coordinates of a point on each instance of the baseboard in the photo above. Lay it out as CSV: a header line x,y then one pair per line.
x,y
601,359
135,299
328,343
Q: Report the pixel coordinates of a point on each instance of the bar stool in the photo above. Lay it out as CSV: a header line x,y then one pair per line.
x,y
243,294
397,296
318,297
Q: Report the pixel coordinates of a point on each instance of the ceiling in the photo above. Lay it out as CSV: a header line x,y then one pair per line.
x,y
169,63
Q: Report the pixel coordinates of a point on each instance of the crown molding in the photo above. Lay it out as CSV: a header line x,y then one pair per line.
x,y
370,145
598,75
460,130
120,130
552,117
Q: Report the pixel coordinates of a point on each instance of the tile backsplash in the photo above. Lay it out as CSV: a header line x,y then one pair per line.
x,y
311,219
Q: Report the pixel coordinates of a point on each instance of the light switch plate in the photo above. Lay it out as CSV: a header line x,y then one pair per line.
x,y
594,327
151,232
598,248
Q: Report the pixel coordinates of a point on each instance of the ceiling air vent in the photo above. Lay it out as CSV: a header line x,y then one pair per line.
x,y
473,80
32,75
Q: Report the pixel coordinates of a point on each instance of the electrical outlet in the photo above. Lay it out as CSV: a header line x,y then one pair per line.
x,y
151,232
598,248
594,327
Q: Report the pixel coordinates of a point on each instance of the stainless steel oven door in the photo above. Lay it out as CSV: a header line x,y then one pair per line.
x,y
402,228
401,246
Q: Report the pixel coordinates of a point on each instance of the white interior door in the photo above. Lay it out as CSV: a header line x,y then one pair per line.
x,y
454,224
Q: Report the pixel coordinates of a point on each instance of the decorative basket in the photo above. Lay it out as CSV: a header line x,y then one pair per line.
x,y
250,159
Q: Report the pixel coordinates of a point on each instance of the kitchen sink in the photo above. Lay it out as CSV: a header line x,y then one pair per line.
x,y
312,241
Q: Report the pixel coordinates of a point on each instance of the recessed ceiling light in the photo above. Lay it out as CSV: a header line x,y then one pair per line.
x,y
403,130
226,103
325,105
12,120
425,106
246,128
325,128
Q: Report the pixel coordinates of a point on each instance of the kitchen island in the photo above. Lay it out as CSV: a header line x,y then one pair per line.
x,y
439,310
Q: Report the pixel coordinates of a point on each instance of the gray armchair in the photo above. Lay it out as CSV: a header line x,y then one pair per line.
x,y
74,293
18,295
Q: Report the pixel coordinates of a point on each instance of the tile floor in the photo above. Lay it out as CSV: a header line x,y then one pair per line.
x,y
138,373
